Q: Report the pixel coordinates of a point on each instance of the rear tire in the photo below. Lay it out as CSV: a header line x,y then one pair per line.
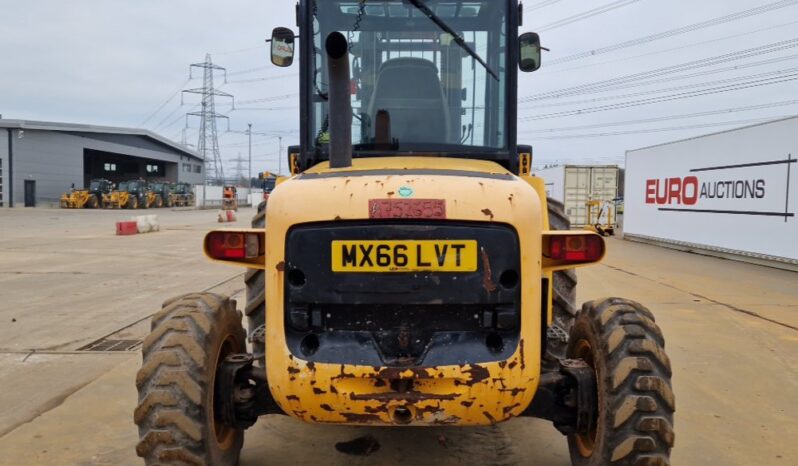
x,y
93,202
634,426
255,280
175,412
563,291
132,202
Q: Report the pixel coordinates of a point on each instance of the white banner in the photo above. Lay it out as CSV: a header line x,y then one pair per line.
x,y
733,191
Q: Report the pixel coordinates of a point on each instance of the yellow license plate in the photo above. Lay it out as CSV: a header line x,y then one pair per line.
x,y
405,256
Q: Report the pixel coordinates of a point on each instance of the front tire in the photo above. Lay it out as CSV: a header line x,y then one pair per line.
x,y
190,336
93,202
634,426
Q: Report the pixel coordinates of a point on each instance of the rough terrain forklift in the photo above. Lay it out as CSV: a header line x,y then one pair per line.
x,y
411,271
182,195
132,194
162,191
90,197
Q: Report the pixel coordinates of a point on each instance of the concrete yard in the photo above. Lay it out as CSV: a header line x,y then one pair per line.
x,y
66,281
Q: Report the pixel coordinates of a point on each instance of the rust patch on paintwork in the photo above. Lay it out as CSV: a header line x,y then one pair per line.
x,y
405,373
467,404
374,409
318,391
488,213
412,396
447,421
478,374
512,364
427,410
280,266
292,398
507,409
521,346
293,370
343,374
333,389
312,366
337,217
326,407
361,418
390,193
490,418
514,391
487,278
502,364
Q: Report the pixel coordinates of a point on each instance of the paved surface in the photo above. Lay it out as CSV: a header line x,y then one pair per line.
x,y
66,282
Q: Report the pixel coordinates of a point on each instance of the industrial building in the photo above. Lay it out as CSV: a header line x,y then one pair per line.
x,y
40,160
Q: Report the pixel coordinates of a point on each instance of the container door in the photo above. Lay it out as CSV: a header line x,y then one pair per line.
x,y
577,191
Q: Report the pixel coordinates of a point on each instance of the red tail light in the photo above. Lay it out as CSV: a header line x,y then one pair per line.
x,y
233,245
573,248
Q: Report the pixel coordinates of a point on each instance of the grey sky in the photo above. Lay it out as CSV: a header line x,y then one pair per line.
x,y
113,62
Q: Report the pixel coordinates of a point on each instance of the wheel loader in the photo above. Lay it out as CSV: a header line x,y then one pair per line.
x,y
410,271
90,197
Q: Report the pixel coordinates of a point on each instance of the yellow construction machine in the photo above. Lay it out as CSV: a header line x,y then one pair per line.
x,y
424,280
90,197
132,194
600,217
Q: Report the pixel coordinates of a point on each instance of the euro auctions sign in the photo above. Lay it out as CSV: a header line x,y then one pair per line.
x,y
732,192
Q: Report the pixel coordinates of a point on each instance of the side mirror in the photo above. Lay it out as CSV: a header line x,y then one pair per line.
x,y
529,52
282,47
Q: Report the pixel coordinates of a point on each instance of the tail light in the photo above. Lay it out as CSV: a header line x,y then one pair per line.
x,y
235,246
564,249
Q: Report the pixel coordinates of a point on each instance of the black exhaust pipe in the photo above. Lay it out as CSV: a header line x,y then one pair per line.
x,y
340,105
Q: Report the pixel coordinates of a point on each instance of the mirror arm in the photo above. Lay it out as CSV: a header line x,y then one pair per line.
x,y
295,37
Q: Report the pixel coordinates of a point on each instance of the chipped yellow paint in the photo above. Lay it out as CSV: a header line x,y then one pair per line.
x,y
478,394
463,395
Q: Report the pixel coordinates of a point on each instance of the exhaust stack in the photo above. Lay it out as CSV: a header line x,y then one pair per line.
x,y
340,105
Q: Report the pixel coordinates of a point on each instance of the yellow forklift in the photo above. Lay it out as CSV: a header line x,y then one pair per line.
x,y
410,271
90,197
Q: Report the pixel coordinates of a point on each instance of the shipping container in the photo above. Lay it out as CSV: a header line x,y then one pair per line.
x,y
575,185
731,194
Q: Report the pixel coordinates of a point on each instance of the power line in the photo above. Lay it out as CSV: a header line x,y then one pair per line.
x,y
749,108
265,78
254,70
165,102
661,99
585,15
540,5
732,68
660,130
548,71
704,62
678,31
749,78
